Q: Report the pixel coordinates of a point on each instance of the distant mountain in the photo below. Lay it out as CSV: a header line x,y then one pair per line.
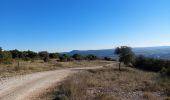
x,y
162,52
99,53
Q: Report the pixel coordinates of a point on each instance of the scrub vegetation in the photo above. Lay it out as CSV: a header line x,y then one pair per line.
x,y
132,77
140,78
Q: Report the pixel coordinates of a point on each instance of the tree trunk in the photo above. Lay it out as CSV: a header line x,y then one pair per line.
x,y
119,66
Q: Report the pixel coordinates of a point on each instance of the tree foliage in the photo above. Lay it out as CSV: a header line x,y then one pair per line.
x,y
16,54
5,57
65,58
125,54
44,55
91,57
77,57
151,64
24,55
54,55
29,55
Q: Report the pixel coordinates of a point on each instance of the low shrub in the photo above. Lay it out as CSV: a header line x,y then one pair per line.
x,y
151,64
5,57
64,58
91,57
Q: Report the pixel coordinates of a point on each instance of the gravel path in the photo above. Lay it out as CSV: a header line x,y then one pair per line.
x,y
26,86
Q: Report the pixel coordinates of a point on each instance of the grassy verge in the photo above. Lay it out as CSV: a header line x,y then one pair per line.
x,y
110,84
26,67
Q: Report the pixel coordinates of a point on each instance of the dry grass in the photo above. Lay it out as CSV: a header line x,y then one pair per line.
x,y
110,84
168,98
149,96
26,67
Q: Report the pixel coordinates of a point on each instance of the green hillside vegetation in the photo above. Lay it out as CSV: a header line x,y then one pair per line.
x,y
125,54
133,77
15,62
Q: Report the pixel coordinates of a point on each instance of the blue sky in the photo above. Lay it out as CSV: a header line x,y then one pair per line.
x,y
64,25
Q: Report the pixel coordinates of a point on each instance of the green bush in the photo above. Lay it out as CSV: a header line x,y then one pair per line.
x,y
77,57
53,55
16,54
91,57
29,54
44,55
5,57
24,55
150,64
65,58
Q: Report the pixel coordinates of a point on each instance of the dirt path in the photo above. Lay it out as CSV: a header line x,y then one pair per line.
x,y
26,86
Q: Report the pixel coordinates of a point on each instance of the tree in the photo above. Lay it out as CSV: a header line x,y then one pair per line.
x,y
151,64
5,57
44,55
91,57
29,55
16,54
65,58
77,57
126,55
54,55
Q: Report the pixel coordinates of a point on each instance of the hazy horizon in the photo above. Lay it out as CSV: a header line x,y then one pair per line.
x,y
82,49
64,25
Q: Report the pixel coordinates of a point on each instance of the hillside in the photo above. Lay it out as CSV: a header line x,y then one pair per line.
x,y
162,52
